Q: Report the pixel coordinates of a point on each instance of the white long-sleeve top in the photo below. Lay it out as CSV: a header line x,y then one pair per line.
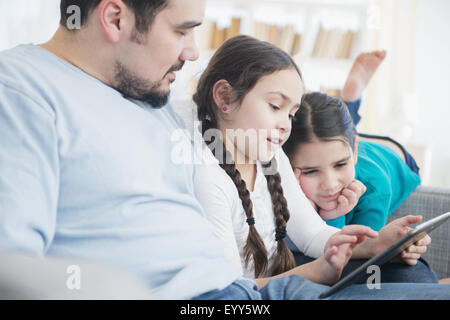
x,y
220,200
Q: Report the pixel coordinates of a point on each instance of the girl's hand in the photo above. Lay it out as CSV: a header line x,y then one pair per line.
x,y
339,249
397,229
346,201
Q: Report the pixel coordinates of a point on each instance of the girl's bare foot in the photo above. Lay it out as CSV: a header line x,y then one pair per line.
x,y
444,281
362,71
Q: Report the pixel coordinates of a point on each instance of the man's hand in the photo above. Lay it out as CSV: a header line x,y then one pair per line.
x,y
346,201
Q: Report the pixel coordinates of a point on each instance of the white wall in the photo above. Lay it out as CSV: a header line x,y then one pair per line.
x,y
27,21
433,85
407,98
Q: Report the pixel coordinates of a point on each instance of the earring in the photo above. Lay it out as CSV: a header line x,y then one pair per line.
x,y
225,109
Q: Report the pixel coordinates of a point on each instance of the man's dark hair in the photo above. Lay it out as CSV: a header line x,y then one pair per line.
x,y
145,11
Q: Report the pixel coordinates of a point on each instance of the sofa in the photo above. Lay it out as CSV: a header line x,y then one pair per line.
x,y
431,202
24,277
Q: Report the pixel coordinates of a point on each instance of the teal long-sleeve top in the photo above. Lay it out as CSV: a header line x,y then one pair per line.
x,y
389,182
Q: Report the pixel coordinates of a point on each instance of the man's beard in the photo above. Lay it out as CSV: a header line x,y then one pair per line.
x,y
131,86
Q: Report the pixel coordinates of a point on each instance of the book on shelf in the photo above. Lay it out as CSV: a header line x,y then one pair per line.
x,y
234,29
290,41
297,44
287,38
220,35
331,92
273,35
335,43
211,35
284,37
349,44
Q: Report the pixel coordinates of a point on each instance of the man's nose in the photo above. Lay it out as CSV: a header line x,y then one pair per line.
x,y
190,51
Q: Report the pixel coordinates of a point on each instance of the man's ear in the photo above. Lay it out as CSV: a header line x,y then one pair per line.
x,y
222,92
113,17
355,149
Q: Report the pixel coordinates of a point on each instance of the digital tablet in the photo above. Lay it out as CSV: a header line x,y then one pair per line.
x,y
411,237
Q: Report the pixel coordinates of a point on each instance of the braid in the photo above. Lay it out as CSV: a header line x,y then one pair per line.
x,y
284,259
254,248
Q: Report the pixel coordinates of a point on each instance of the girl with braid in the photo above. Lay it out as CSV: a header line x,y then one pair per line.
x,y
246,99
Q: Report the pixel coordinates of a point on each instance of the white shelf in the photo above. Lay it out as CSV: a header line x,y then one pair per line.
x,y
315,3
305,15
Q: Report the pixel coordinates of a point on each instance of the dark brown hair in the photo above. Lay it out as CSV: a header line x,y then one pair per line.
x,y
320,117
144,11
242,61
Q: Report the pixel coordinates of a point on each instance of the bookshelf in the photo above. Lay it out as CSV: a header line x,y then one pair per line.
x,y
323,36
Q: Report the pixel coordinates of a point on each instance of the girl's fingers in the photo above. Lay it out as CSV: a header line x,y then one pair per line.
x,y
330,252
425,241
359,230
416,249
349,196
411,262
410,256
343,239
408,220
358,187
343,203
335,255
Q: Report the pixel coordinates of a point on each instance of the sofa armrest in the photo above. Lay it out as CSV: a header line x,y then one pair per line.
x,y
27,277
431,202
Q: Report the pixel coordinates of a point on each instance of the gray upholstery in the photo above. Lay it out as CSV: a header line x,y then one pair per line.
x,y
431,202
30,278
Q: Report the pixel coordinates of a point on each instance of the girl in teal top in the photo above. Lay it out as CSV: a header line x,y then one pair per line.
x,y
327,154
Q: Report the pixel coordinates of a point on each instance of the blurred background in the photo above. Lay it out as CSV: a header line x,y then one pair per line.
x,y
406,99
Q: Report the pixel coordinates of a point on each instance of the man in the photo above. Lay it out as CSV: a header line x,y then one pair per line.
x,y
85,155
85,152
